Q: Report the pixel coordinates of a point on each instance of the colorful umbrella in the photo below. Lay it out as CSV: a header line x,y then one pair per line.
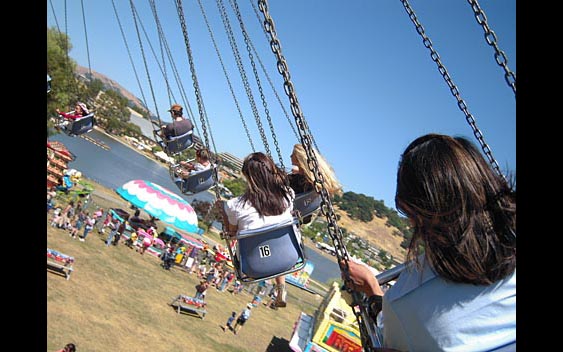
x,y
160,203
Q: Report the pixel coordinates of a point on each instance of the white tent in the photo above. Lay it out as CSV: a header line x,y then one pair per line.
x,y
164,157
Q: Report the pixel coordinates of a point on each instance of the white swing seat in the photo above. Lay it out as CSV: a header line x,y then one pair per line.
x,y
268,252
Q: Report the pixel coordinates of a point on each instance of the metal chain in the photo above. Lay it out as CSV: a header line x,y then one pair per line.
x,y
179,83
86,37
272,85
242,72
199,98
169,92
455,91
366,330
133,11
226,75
491,39
247,41
144,100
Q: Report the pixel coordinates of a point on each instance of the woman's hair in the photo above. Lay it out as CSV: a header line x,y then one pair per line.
x,y
203,154
267,185
462,211
330,181
70,347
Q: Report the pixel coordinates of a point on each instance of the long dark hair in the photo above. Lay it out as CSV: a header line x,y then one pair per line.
x,y
463,213
268,186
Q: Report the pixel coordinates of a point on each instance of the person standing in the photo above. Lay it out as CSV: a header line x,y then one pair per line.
x,y
243,317
459,293
88,226
114,227
229,324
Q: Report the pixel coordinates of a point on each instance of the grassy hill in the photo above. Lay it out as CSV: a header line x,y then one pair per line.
x,y
376,232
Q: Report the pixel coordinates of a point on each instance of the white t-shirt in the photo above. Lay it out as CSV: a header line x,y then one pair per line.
x,y
200,167
246,217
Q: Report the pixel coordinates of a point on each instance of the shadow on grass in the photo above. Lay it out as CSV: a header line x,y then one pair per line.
x,y
56,270
278,345
184,310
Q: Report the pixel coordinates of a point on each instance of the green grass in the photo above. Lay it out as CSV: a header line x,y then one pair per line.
x,y
118,300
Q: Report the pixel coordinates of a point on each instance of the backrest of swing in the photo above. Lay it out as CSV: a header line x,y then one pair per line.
x,y
269,251
198,182
177,144
81,125
307,202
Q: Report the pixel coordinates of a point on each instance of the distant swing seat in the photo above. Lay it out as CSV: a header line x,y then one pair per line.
x,y
175,144
268,252
195,183
80,126
307,203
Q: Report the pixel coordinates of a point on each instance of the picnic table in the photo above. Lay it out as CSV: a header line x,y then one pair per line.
x,y
60,262
190,304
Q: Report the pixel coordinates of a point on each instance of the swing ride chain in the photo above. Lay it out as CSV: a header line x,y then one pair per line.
x,y
225,73
143,100
196,89
257,14
367,333
244,78
491,39
234,5
454,90
274,90
133,11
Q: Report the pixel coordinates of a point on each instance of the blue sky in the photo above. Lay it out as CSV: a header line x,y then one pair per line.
x,y
364,80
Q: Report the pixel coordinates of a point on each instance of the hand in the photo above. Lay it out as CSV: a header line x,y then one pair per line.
x,y
363,278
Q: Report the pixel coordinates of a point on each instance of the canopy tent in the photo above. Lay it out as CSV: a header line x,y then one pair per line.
x,y
160,203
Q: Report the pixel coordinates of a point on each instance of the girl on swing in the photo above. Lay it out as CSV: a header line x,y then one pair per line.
x,y
80,110
268,200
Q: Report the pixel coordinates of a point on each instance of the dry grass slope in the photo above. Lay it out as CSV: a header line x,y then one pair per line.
x,y
376,232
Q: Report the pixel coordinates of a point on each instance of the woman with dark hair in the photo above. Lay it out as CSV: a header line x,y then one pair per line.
x,y
458,290
268,200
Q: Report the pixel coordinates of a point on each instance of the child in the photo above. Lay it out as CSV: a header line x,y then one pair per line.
x,y
229,323
243,317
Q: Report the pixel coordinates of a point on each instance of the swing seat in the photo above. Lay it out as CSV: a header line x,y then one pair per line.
x,y
81,125
175,144
195,183
268,252
307,203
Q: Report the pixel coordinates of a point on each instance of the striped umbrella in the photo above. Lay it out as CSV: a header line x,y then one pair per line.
x,y
160,203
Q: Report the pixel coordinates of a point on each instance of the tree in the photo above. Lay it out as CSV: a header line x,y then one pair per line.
x,y
61,69
236,185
